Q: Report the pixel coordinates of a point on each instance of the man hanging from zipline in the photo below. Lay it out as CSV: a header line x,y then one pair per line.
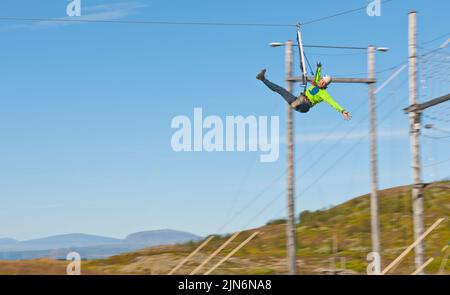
x,y
313,95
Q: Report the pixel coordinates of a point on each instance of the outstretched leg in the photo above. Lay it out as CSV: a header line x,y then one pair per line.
x,y
288,97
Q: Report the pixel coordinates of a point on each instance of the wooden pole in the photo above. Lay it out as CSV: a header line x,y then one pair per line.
x,y
290,225
417,195
444,259
422,267
410,247
190,255
215,253
232,253
374,222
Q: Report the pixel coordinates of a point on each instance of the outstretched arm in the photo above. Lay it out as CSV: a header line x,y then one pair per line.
x,y
329,100
317,75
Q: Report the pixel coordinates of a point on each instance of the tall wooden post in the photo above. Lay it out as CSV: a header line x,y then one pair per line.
x,y
374,222
290,226
417,196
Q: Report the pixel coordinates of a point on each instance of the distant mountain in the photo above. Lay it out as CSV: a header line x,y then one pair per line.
x,y
7,242
160,237
69,240
57,242
89,246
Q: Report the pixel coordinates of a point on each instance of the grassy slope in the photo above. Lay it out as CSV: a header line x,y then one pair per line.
x,y
37,267
349,223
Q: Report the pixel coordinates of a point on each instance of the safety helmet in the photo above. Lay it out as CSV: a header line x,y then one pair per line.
x,y
327,79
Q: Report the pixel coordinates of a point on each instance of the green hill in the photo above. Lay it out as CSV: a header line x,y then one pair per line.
x,y
340,234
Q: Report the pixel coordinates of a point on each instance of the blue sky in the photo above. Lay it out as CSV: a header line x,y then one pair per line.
x,y
85,113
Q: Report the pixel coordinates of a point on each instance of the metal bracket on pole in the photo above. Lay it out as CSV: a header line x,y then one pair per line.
x,y
419,107
411,109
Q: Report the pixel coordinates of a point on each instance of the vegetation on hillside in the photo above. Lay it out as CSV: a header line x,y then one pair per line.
x,y
335,238
338,237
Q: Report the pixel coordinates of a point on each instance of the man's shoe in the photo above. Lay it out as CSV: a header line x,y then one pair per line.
x,y
261,76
